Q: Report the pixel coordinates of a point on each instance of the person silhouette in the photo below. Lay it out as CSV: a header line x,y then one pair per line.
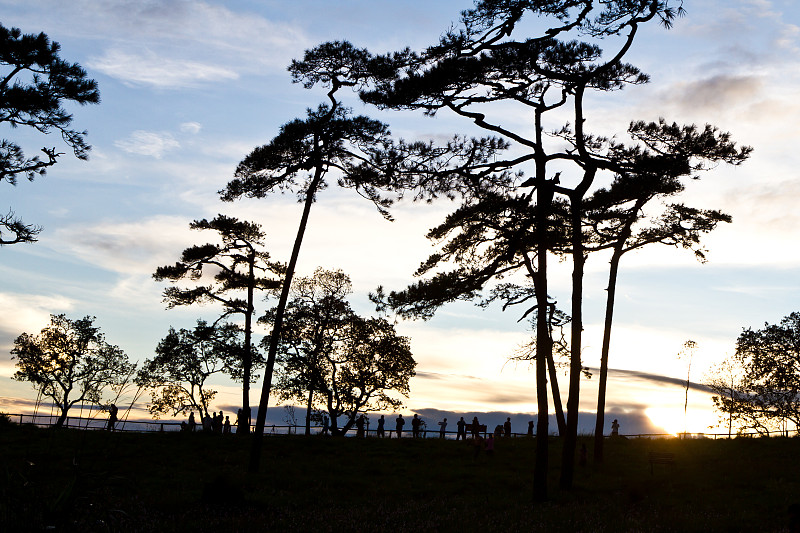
x,y
399,426
112,417
615,428
530,428
415,426
192,423
226,427
461,425
442,428
360,427
380,431
507,427
475,427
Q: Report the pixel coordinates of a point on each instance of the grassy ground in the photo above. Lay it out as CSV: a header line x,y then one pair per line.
x,y
96,481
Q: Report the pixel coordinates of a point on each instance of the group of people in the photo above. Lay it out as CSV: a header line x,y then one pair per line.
x,y
215,423
418,426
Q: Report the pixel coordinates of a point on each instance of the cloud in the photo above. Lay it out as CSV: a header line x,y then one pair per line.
x,y
188,42
715,93
653,378
161,72
191,127
28,312
125,247
149,143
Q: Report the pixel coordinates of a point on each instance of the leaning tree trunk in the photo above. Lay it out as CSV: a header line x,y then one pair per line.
x,y
560,421
255,450
599,425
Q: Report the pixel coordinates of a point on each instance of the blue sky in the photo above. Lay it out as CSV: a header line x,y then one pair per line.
x,y
190,87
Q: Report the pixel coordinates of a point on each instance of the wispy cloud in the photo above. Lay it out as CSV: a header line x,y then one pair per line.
x,y
28,312
716,92
188,43
156,70
149,143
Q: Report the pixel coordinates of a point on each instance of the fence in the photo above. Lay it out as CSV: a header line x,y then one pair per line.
x,y
152,426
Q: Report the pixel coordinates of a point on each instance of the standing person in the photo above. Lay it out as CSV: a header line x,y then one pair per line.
x,y
380,431
615,428
507,427
475,426
112,417
360,427
326,424
442,428
462,429
192,423
399,426
226,427
530,428
415,426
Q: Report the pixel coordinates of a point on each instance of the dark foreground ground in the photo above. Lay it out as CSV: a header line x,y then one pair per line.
x,y
71,480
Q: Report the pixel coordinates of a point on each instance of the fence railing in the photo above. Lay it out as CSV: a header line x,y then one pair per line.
x,y
98,423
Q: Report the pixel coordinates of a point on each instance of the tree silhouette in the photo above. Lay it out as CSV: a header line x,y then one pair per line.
x,y
482,64
652,171
34,84
725,380
491,237
70,362
332,357
298,160
184,361
239,265
769,359
314,314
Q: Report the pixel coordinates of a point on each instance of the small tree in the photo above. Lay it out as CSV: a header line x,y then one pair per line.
x,y
239,266
687,353
70,362
329,356
34,83
725,380
769,359
184,361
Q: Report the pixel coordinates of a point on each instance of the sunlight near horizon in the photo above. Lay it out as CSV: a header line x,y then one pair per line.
x,y
673,420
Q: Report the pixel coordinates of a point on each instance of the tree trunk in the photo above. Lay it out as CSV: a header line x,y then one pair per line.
x,y
308,409
576,367
62,417
551,367
255,450
248,344
544,346
599,425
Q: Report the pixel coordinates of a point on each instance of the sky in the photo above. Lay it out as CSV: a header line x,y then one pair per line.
x,y
189,88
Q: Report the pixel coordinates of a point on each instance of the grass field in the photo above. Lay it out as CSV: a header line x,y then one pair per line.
x,y
69,480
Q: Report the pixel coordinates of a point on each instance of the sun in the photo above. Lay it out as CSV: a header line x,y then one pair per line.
x,y
673,420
